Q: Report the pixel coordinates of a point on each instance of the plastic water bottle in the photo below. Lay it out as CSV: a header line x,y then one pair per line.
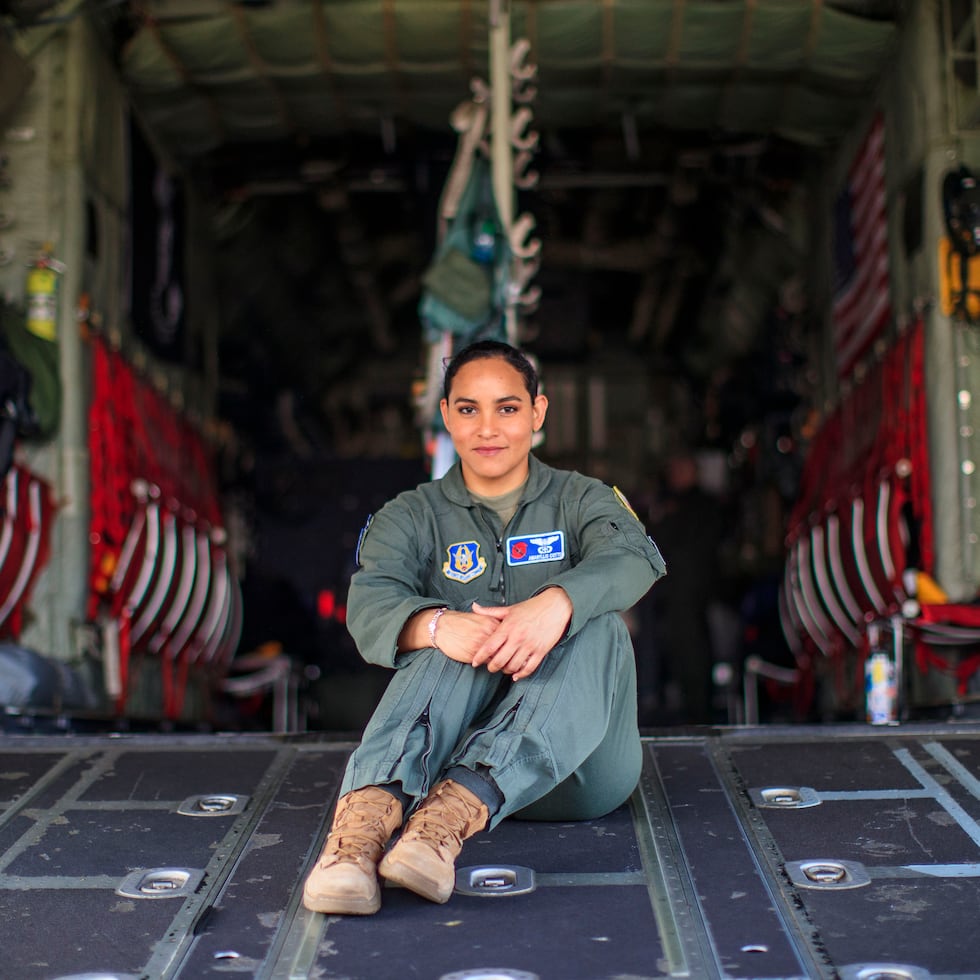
x,y
880,689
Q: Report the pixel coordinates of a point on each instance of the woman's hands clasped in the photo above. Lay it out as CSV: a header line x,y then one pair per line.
x,y
512,639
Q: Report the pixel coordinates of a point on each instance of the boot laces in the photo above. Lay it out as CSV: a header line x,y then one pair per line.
x,y
447,820
361,830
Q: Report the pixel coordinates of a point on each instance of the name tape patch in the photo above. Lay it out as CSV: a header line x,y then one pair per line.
x,y
532,548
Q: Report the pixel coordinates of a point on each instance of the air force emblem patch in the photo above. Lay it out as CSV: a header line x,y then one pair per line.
x,y
465,562
532,548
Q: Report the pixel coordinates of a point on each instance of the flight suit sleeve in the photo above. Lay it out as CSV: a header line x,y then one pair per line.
x,y
388,586
617,562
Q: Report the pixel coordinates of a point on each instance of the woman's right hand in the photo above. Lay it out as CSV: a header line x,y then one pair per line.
x,y
460,634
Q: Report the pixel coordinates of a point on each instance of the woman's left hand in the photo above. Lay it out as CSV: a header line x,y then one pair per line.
x,y
526,633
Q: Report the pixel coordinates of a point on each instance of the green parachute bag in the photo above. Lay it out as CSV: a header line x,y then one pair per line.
x,y
465,286
39,356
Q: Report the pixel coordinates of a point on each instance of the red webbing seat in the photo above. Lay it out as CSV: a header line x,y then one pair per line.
x,y
863,513
28,513
155,510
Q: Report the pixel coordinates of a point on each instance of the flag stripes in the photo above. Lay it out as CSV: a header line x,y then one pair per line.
x,y
861,303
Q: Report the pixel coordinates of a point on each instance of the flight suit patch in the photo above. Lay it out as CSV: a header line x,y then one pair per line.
x,y
360,539
465,562
621,497
532,548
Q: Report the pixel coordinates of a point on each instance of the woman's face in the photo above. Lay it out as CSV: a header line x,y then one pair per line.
x,y
490,417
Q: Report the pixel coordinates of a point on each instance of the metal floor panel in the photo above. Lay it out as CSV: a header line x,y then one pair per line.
x,y
764,854
589,916
897,811
173,816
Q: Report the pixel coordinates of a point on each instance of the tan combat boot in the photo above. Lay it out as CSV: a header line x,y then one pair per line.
x,y
424,857
345,879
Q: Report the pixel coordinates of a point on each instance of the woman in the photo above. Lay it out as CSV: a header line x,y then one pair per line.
x,y
494,594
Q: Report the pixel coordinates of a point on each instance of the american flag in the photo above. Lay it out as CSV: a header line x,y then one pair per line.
x,y
861,305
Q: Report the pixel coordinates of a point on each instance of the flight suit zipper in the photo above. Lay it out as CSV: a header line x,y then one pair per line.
x,y
425,721
500,585
498,540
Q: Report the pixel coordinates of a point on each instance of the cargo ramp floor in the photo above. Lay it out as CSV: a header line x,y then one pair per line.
x,y
850,852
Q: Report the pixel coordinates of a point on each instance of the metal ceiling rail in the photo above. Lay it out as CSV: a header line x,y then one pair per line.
x,y
961,34
322,47
809,46
187,78
748,67
261,68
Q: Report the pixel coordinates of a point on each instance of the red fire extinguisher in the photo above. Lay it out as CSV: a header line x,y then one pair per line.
x,y
42,295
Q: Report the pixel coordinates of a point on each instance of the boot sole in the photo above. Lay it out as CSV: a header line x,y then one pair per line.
x,y
342,906
408,877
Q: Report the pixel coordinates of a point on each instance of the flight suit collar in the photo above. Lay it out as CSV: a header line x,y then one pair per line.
x,y
539,475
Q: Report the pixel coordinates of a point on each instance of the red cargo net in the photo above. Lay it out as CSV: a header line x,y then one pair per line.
x,y
864,511
160,583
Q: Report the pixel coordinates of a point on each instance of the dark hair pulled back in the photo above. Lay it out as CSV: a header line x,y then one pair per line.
x,y
484,349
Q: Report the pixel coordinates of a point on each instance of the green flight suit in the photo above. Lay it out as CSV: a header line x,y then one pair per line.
x,y
564,739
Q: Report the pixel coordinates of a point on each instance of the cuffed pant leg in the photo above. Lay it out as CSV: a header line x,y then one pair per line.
x,y
426,709
566,739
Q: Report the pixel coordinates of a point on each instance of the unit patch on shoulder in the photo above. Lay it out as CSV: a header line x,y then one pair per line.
x,y
621,497
531,548
360,539
465,562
